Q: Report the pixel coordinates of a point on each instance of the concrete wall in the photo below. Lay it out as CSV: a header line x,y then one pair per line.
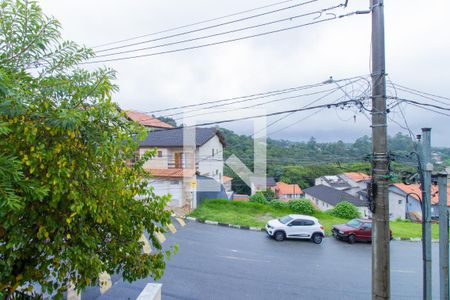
x,y
397,206
209,165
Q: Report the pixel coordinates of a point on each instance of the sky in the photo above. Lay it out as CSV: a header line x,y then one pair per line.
x,y
417,47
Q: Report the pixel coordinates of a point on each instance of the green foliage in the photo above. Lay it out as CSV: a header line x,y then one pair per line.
x,y
303,207
68,208
269,194
278,204
345,210
258,197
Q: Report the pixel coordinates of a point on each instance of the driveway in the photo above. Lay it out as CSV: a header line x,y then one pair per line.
x,y
217,262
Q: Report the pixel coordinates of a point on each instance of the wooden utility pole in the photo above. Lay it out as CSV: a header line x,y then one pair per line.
x,y
381,288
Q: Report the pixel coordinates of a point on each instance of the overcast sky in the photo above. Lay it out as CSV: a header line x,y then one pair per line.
x,y
417,56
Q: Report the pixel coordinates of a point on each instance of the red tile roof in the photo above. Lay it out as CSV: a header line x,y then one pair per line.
x,y
357,176
227,179
415,189
171,173
283,188
146,120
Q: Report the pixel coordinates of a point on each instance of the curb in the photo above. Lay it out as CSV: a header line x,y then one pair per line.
x,y
263,229
220,224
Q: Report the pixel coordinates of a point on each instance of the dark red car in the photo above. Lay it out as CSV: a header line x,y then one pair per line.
x,y
354,230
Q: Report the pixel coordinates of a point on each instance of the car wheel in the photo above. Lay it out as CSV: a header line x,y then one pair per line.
x,y
351,239
279,236
316,238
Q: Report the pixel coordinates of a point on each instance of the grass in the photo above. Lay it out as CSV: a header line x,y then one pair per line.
x,y
257,215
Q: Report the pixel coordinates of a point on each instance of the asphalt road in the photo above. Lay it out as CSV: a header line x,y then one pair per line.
x,y
217,262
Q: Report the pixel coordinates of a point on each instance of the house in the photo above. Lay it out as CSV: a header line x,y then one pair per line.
x,y
285,192
411,195
240,197
146,120
350,182
325,198
333,181
357,181
175,167
260,184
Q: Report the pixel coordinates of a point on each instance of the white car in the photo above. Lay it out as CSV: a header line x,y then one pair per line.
x,y
296,226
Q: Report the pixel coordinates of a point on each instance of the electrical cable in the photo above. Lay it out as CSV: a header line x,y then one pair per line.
x,y
192,24
202,29
333,17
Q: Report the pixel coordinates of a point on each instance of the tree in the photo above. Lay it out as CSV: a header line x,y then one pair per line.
x,y
68,197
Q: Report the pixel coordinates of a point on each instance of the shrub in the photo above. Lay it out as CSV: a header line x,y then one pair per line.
x,y
345,210
258,198
301,207
278,204
269,194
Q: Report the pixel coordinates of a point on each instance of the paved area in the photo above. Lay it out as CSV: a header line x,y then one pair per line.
x,y
217,262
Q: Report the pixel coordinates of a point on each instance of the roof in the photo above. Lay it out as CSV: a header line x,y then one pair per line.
x,y
357,176
336,181
240,197
146,120
257,180
332,196
415,189
174,137
227,179
285,188
171,173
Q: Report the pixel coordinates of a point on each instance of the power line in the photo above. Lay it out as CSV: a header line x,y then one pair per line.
x,y
201,29
258,104
192,24
332,17
255,95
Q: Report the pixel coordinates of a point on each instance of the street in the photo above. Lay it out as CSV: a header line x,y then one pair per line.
x,y
216,262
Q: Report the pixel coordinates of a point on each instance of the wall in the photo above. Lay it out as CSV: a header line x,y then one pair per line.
x,y
319,204
208,164
164,186
155,162
397,206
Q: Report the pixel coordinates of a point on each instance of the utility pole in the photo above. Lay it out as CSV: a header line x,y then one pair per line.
x,y
443,237
381,287
427,168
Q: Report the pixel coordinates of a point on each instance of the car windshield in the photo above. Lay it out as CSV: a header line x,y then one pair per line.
x,y
285,219
354,223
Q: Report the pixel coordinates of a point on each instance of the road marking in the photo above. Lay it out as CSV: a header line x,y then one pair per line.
x,y
161,238
242,258
105,282
181,221
171,228
147,248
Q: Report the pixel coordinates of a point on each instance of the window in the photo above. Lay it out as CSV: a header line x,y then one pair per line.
x,y
317,202
174,182
296,223
285,220
212,152
400,201
217,172
159,153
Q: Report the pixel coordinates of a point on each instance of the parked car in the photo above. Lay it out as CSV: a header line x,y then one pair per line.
x,y
354,230
296,226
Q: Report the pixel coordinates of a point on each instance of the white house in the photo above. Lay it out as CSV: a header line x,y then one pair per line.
x,y
175,166
325,198
350,182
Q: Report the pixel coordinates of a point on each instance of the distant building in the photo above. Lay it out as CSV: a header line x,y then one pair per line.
x,y
285,192
411,197
325,198
260,184
350,182
146,120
